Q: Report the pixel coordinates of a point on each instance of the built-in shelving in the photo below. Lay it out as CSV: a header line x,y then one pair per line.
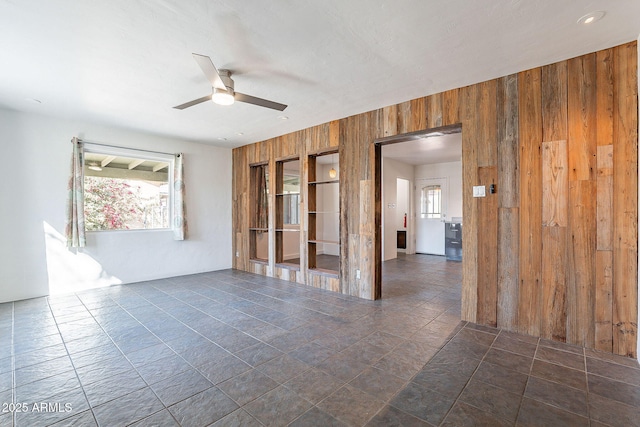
x,y
333,181
323,236
287,210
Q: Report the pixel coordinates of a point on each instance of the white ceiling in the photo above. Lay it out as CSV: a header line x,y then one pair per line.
x,y
425,151
127,63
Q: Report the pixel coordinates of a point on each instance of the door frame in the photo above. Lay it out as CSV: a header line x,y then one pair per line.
x,y
377,148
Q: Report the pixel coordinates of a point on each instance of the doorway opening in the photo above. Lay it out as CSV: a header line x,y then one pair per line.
x,y
420,223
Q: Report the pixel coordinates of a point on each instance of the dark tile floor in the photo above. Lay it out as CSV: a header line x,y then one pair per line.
x,y
233,349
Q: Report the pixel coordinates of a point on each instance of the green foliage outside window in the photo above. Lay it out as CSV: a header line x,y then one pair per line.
x,y
120,204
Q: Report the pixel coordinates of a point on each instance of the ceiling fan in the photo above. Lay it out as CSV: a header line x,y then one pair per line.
x,y
223,89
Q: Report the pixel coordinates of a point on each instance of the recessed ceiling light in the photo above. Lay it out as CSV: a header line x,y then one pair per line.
x,y
240,134
283,117
222,139
592,17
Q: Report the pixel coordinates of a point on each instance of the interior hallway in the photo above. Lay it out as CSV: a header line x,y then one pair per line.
x,y
233,348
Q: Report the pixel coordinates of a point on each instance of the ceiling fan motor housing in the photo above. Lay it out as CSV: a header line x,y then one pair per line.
x,y
225,76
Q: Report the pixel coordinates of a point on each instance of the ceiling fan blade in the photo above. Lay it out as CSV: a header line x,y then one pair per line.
x,y
241,97
209,70
192,103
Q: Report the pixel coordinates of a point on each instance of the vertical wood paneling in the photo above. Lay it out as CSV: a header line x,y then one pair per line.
x,y
390,124
508,249
404,117
487,208
582,117
555,184
582,128
508,192
554,256
507,136
581,263
604,301
434,111
468,106
486,124
604,202
530,138
555,187
554,102
604,96
367,270
625,200
554,252
351,286
418,115
604,244
604,198
334,133
450,107
487,248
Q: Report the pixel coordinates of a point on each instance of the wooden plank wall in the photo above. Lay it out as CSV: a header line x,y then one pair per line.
x,y
553,253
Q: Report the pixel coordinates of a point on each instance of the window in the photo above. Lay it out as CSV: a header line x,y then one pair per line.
x,y
431,201
126,189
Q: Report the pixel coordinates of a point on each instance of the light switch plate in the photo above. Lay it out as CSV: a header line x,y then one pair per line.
x,y
479,191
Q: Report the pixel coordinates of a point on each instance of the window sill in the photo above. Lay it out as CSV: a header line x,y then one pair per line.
x,y
146,230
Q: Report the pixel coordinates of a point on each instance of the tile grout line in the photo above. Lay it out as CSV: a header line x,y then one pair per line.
x,y
14,395
407,382
588,395
457,399
71,360
533,361
132,365
230,353
123,355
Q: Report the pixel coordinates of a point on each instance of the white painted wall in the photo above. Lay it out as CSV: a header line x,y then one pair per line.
x,y
452,171
34,260
403,207
391,171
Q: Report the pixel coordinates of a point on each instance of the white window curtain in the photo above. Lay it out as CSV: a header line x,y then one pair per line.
x,y
179,211
74,229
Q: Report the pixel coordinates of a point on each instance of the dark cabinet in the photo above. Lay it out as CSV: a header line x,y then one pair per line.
x,y
402,239
453,241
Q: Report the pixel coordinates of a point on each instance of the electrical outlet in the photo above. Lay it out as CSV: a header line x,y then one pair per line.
x,y
237,254
357,274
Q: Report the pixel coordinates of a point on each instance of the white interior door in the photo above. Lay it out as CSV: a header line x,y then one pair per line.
x,y
431,211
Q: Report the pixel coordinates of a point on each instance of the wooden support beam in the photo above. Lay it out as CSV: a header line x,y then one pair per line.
x,y
160,166
107,160
134,164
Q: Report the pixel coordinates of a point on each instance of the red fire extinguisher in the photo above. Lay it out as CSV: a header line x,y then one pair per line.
x,y
405,220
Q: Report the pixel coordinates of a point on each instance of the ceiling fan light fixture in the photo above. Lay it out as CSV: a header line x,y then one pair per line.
x,y
222,97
